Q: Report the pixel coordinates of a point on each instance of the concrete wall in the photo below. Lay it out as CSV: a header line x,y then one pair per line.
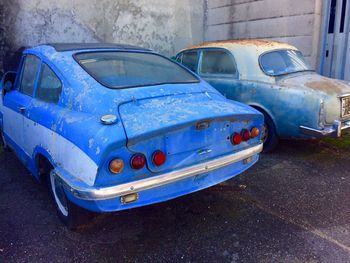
x,y
2,35
294,21
165,26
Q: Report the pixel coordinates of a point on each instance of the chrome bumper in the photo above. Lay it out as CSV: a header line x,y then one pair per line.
x,y
333,131
93,193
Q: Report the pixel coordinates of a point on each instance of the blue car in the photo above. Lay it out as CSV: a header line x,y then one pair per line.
x,y
113,127
274,78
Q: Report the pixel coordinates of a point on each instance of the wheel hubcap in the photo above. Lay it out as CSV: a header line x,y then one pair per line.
x,y
59,195
265,133
4,144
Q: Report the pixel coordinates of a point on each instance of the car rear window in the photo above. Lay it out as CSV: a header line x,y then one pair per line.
x,y
284,61
120,69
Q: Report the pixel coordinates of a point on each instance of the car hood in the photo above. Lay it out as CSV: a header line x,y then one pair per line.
x,y
315,82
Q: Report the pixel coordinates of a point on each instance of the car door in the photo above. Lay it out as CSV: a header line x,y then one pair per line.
x,y
17,100
218,68
42,113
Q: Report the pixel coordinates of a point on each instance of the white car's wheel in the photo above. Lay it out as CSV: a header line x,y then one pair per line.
x,y
269,136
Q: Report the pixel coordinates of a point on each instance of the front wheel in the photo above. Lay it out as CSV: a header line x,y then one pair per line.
x,y
70,214
269,136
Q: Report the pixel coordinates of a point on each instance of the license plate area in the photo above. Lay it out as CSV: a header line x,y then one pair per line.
x,y
192,139
345,107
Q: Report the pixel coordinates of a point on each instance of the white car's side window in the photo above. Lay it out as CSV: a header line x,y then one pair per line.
x,y
218,62
190,60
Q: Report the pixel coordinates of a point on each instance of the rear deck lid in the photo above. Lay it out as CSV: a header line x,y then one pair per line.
x,y
147,118
188,128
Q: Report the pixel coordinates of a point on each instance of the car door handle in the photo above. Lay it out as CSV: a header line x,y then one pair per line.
x,y
22,109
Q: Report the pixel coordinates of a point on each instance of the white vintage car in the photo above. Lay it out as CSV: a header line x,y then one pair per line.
x,y
275,79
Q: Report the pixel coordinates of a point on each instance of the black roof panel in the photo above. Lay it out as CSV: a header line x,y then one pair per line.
x,y
81,46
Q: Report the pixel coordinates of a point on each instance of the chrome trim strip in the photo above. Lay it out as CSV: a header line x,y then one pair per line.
x,y
92,193
332,131
343,95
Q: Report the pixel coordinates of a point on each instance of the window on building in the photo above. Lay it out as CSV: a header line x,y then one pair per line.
x,y
49,87
342,18
190,60
218,62
29,72
332,17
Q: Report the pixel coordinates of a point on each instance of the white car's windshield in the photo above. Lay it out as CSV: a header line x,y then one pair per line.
x,y
282,62
119,69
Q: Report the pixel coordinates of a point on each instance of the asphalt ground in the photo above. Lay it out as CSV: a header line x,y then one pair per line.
x,y
293,206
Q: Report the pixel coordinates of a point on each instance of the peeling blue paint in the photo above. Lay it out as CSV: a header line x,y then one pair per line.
x,y
163,117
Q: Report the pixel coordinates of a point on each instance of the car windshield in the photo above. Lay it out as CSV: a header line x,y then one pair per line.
x,y
281,62
121,69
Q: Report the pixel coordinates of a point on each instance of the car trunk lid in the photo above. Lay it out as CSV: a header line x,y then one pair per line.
x,y
188,128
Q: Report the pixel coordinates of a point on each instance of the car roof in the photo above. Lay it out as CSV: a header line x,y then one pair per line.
x,y
61,47
260,45
246,53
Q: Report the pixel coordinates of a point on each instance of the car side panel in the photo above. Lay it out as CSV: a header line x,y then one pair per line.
x,y
286,107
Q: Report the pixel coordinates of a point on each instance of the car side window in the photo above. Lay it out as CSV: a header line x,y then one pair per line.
x,y
190,60
30,69
179,58
49,87
218,62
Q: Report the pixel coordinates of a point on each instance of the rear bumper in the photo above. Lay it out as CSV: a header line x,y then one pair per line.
x,y
165,186
334,131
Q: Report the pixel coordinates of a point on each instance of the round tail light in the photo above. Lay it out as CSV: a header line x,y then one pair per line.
x,y
254,132
138,161
116,166
245,135
158,158
236,139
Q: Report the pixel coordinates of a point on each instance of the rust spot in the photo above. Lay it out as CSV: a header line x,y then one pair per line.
x,y
242,42
328,86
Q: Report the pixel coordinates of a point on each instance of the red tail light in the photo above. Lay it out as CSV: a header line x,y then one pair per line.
x,y
236,139
138,161
158,158
245,135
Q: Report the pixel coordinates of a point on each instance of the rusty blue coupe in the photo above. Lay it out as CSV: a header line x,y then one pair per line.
x,y
275,79
113,127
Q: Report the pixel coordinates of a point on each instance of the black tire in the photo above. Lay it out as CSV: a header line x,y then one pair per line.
x,y
4,145
269,135
71,215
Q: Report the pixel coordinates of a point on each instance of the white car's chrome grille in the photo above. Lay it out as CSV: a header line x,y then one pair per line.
x,y
345,107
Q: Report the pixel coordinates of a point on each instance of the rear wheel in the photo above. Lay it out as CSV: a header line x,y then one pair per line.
x,y
70,214
269,136
3,141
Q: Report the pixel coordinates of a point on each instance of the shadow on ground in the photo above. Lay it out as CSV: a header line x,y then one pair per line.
x,y
294,209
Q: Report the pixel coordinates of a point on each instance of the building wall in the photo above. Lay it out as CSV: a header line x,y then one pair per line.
x,y
2,36
165,26
297,22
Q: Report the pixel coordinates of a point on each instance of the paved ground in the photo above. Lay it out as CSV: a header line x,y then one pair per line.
x,y
295,208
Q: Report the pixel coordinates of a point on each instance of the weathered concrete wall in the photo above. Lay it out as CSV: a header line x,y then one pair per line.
x,y
165,26
294,21
2,36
